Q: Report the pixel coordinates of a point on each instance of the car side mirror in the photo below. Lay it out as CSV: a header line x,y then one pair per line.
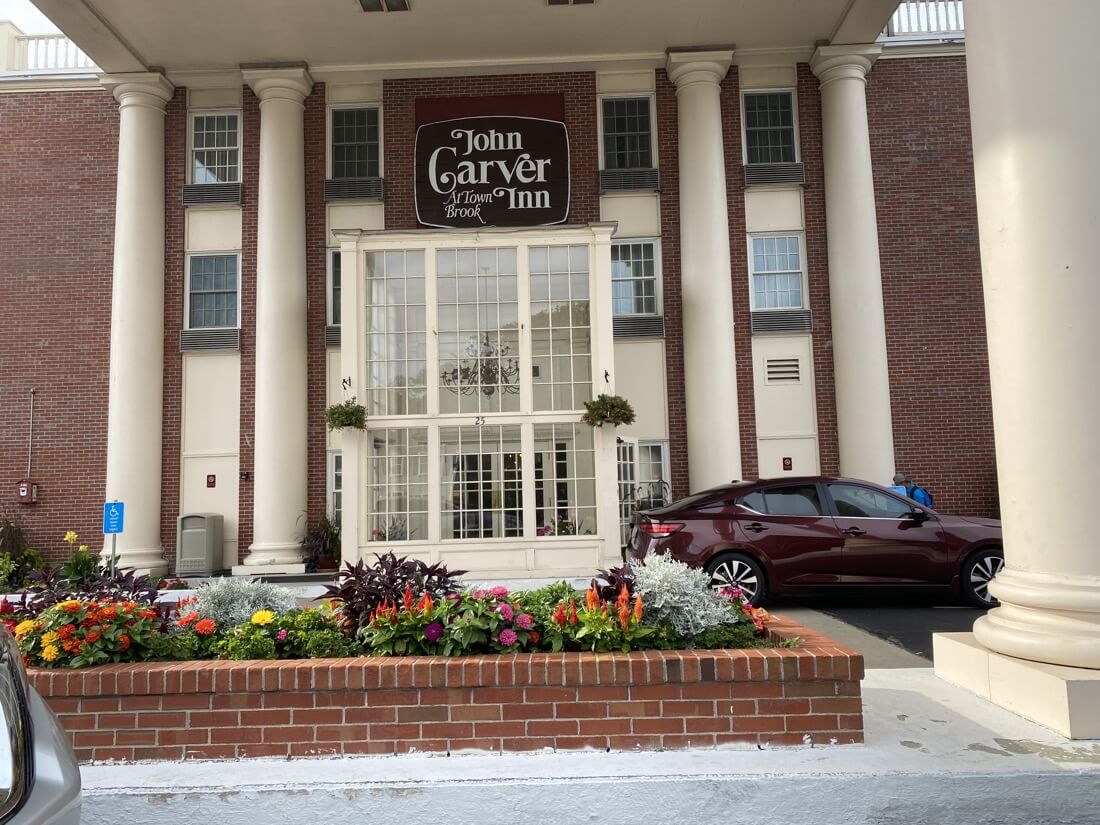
x,y
916,516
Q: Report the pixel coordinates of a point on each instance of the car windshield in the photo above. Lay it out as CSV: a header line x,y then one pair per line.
x,y
727,492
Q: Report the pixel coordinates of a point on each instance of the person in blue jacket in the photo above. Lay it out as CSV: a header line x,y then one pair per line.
x,y
905,485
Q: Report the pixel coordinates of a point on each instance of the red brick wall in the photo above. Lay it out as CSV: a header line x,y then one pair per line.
x,y
175,175
931,276
817,266
324,707
58,161
398,102
316,277
250,173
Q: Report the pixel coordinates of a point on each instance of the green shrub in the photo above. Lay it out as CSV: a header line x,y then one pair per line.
x,y
231,602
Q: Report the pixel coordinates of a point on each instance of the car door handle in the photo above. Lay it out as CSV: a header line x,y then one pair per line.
x,y
854,531
756,527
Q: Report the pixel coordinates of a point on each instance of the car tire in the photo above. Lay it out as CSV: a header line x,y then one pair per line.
x,y
977,571
739,570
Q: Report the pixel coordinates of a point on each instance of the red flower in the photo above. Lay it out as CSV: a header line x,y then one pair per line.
x,y
205,627
408,596
534,636
108,613
592,599
425,604
92,636
66,630
5,607
124,641
559,615
148,614
573,620
624,614
72,607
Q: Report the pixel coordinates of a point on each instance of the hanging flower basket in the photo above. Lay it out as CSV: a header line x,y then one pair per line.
x,y
608,409
346,415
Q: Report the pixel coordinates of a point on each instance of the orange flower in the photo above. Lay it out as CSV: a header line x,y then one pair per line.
x,y
205,627
71,645
624,616
534,637
573,620
637,608
188,620
559,615
624,597
92,636
108,613
71,606
124,641
425,604
148,614
592,599
408,597
89,622
66,630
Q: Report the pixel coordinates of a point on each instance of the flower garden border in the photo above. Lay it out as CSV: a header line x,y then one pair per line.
x,y
651,700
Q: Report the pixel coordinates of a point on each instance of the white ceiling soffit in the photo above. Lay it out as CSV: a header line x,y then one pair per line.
x,y
205,35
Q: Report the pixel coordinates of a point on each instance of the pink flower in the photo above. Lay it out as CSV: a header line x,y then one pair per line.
x,y
479,594
281,635
500,591
507,637
523,621
506,612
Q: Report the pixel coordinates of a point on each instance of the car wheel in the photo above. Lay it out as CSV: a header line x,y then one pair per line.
x,y
739,570
977,573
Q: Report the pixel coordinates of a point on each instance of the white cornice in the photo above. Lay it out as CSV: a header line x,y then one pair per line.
x,y
687,68
49,83
923,50
196,79
785,56
831,63
279,82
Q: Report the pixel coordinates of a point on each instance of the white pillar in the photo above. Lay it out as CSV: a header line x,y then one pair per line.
x,y
352,364
864,425
1035,114
710,370
280,466
136,383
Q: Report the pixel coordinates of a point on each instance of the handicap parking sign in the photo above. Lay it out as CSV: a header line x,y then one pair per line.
x,y
114,513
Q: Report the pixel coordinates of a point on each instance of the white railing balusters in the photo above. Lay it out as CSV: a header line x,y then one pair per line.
x,y
49,52
920,19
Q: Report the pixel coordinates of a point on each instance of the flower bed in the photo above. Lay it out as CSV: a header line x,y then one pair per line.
x,y
645,700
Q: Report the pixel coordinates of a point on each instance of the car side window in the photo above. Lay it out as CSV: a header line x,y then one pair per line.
x,y
795,500
853,501
753,501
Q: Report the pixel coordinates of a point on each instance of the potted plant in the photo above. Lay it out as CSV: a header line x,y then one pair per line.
x,y
321,546
346,414
608,409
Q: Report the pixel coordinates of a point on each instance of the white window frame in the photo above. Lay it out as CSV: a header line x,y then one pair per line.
x,y
213,253
332,457
793,92
328,134
649,96
802,259
658,272
666,464
331,253
194,113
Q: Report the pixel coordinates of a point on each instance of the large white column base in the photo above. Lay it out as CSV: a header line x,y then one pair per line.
x,y
274,554
268,569
1064,699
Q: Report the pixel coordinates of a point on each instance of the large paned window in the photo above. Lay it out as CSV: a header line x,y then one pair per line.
x,y
634,278
215,148
397,484
627,133
769,127
479,355
355,143
212,291
397,369
561,345
777,272
478,361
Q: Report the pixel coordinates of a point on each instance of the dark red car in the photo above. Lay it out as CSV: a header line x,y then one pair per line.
x,y
809,535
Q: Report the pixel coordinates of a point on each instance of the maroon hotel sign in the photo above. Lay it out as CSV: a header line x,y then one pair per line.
x,y
494,170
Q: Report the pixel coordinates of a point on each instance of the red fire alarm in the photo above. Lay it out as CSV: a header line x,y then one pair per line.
x,y
28,491
211,480
788,463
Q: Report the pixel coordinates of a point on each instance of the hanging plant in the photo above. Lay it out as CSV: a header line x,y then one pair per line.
x,y
346,415
608,409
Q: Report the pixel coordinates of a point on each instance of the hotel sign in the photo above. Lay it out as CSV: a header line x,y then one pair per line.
x,y
492,171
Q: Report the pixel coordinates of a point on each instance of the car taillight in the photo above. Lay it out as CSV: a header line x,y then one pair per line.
x,y
660,529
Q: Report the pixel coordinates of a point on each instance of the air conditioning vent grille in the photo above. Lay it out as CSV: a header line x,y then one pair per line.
x,y
344,189
627,180
773,174
782,320
332,335
639,326
200,340
783,371
201,194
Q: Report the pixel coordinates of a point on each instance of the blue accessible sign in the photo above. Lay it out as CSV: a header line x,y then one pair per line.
x,y
114,513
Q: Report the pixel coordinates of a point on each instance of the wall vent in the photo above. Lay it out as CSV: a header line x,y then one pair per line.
x,y
384,5
570,2
201,340
628,180
639,326
332,335
344,189
783,371
773,174
782,320
201,194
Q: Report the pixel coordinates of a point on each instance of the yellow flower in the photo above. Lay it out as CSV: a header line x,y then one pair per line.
x,y
49,652
49,637
23,628
69,605
71,537
83,548
262,617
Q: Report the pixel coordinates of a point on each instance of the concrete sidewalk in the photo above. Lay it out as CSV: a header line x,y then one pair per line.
x,y
934,753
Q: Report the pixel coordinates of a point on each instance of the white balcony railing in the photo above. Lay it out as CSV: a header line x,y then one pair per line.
x,y
49,53
927,19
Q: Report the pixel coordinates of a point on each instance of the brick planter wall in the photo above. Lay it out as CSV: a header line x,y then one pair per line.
x,y
325,707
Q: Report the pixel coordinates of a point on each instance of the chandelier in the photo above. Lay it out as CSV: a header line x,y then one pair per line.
x,y
485,369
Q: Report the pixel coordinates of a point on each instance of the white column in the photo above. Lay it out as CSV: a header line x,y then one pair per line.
x,y
864,426
1035,116
280,466
352,364
136,383
710,373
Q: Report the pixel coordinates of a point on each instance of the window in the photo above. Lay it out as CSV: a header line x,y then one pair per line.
x,y
796,500
215,148
212,291
769,128
397,368
627,133
397,484
481,483
565,480
355,143
336,486
634,278
853,501
777,272
334,287
561,335
653,474
753,501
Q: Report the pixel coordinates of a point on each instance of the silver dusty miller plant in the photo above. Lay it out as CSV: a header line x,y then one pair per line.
x,y
231,602
675,593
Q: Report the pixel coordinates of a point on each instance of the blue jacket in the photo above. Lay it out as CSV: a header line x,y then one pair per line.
x,y
918,494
